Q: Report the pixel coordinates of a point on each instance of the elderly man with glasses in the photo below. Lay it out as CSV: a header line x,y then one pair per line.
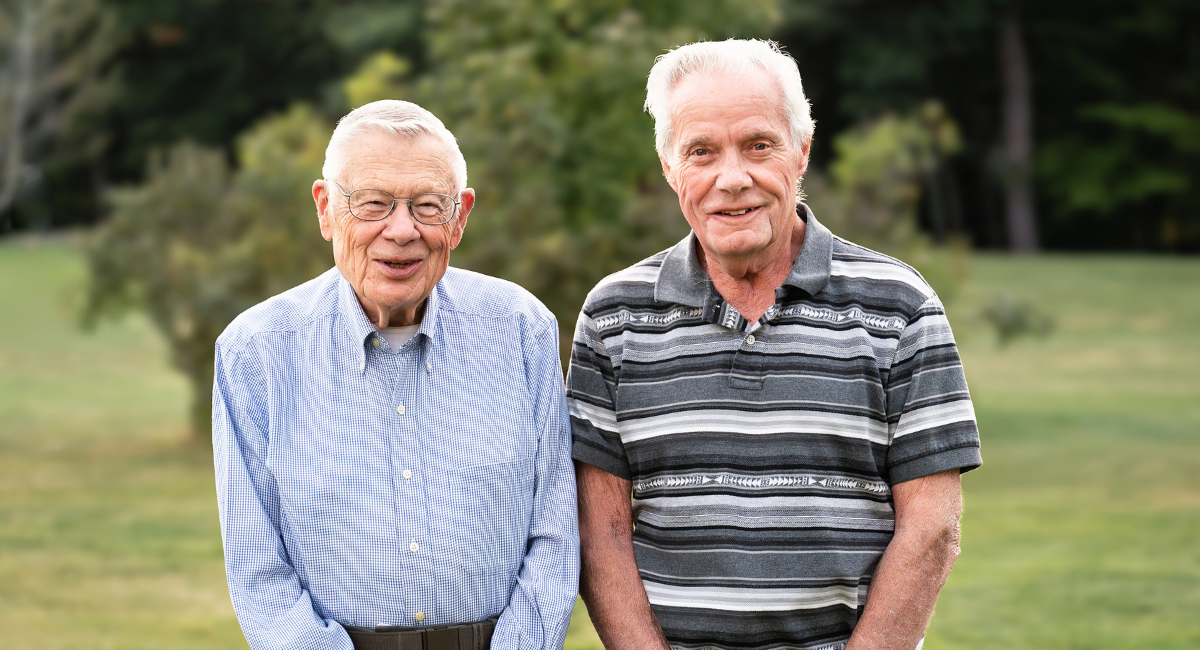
x,y
391,439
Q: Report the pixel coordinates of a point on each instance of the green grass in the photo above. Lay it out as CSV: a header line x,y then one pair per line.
x,y
1082,530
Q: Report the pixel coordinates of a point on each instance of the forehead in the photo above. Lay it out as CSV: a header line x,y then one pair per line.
x,y
399,164
713,105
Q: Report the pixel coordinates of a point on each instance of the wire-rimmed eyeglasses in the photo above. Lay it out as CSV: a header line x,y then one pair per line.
x,y
430,208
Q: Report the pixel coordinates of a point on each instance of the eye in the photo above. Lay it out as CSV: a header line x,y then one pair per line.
x,y
760,146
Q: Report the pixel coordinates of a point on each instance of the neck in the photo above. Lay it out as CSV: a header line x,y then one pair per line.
x,y
382,316
749,283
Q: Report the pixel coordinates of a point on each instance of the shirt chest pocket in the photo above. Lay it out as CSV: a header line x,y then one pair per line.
x,y
484,522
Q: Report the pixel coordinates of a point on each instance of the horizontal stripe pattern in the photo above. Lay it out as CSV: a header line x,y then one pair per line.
x,y
762,455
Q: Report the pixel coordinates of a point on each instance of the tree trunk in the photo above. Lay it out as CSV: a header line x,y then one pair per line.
x,y
22,75
1017,110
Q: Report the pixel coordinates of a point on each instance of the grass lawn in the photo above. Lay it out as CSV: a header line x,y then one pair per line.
x,y
1082,529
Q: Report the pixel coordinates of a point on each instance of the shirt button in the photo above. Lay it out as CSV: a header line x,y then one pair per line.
x,y
375,342
400,409
750,340
407,474
420,616
429,366
413,547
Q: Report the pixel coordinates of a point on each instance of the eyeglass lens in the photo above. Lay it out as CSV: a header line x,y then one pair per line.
x,y
373,205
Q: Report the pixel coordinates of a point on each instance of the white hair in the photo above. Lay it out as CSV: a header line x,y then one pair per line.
x,y
392,117
729,57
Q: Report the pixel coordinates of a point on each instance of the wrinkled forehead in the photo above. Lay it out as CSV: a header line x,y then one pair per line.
x,y
748,99
379,154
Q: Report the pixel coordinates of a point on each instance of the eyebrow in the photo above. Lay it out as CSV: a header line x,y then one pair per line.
x,y
757,135
764,135
704,139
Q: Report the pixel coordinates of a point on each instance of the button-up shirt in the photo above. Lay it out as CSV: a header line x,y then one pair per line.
x,y
429,485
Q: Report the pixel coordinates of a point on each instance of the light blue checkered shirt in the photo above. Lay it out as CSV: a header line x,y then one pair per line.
x,y
430,485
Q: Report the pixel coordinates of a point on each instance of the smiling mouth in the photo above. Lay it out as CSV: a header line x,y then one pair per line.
x,y
737,213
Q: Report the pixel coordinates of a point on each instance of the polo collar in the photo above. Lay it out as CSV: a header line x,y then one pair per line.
x,y
682,280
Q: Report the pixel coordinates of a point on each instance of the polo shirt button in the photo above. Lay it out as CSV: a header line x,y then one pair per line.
x,y
413,547
400,409
750,340
420,616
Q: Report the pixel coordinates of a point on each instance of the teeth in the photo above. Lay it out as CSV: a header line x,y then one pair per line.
x,y
735,213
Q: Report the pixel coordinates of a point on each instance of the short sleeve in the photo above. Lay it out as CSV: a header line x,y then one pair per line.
x,y
931,422
591,390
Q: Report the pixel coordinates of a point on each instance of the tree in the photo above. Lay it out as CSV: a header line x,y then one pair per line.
x,y
197,244
546,98
881,170
52,81
1112,118
1017,114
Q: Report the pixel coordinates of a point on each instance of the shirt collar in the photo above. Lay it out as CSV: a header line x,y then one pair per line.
x,y
360,329
682,280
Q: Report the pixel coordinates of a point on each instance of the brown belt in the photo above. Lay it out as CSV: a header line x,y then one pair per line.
x,y
467,636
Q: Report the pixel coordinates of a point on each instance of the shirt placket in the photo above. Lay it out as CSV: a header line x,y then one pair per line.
x,y
412,509
746,371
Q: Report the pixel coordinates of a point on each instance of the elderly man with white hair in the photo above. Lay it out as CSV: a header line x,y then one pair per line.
x,y
391,439
788,410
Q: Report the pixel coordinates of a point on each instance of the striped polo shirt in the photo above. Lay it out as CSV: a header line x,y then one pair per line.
x,y
762,454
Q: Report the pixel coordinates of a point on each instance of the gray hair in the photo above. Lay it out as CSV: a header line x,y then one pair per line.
x,y
731,56
394,117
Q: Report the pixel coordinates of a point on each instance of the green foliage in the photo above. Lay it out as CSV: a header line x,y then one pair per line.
x,y
545,98
876,182
1115,104
198,244
1120,118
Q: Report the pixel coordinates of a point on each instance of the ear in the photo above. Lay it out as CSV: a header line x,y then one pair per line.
x,y
467,198
802,166
666,167
321,198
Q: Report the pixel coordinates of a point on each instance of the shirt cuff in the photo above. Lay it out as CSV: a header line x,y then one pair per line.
x,y
962,458
584,452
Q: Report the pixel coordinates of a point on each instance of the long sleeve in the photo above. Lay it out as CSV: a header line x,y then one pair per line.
x,y
274,609
539,609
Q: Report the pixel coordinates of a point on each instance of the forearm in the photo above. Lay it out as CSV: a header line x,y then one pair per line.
x,y
609,581
911,573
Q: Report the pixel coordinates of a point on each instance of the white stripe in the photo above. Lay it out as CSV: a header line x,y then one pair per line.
x,y
744,551
631,274
747,505
599,417
733,599
880,271
740,422
931,417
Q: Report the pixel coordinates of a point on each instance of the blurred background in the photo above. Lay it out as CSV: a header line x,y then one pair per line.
x,y
1038,162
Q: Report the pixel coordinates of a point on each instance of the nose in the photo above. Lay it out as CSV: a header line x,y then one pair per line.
x,y
399,226
732,176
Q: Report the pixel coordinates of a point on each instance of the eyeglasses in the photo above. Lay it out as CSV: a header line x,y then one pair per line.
x,y
431,209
